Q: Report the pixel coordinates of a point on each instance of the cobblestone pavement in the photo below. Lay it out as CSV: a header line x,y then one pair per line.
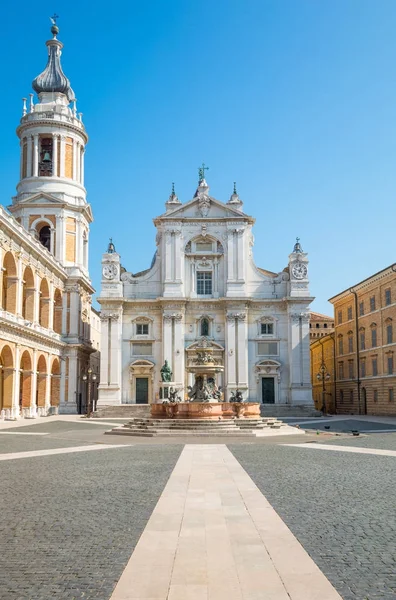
x,y
383,441
341,507
69,522
60,435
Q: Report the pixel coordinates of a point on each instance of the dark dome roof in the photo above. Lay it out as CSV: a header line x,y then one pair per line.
x,y
53,79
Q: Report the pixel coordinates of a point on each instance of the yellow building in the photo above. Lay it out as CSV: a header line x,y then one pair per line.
x,y
319,325
323,375
365,345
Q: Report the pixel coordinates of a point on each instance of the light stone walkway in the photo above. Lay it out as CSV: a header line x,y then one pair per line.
x,y
214,536
334,448
34,453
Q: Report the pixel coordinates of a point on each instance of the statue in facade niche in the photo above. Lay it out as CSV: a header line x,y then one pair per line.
x,y
166,373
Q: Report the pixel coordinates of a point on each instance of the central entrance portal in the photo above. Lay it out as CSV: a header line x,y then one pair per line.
x,y
268,390
141,390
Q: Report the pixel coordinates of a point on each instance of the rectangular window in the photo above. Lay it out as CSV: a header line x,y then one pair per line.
x,y
339,316
374,366
388,297
349,313
362,340
351,396
341,370
373,338
361,309
350,369
204,283
350,344
363,368
267,328
341,397
390,365
142,329
340,346
390,394
142,349
375,395
267,349
372,303
203,246
389,334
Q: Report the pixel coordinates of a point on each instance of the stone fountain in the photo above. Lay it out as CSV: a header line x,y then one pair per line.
x,y
205,400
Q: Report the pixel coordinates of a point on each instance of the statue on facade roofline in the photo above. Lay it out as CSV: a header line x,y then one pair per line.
x,y
166,373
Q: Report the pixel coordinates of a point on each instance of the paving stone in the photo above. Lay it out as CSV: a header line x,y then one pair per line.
x,y
341,507
69,523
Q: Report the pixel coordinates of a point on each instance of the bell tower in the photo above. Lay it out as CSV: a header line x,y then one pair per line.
x,y
51,197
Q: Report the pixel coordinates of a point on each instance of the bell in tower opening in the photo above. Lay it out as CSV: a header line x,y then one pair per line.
x,y
45,164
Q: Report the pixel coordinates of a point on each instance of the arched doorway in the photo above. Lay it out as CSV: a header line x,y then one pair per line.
x,y
363,409
6,378
25,382
28,295
44,304
41,384
9,283
57,312
55,383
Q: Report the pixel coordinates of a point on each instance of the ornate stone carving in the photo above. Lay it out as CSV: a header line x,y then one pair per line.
x,y
236,316
203,205
175,316
106,314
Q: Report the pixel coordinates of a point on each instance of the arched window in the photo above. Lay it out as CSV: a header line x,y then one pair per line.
x,y
205,327
45,237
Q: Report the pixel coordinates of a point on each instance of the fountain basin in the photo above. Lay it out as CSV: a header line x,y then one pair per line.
x,y
206,410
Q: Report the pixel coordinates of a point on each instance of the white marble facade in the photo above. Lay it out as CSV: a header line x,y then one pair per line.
x,y
203,288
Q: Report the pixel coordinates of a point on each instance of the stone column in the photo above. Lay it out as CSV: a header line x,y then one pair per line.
x,y
62,396
82,165
168,256
230,262
167,340
62,155
74,165
178,358
78,161
29,160
33,397
73,378
230,352
242,351
55,154
299,358
51,307
240,243
35,154
19,285
17,382
47,404
37,299
179,255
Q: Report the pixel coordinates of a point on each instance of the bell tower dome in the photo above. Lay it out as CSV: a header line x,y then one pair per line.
x,y
51,197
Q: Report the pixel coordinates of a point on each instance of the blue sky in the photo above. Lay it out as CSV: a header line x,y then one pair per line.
x,y
293,99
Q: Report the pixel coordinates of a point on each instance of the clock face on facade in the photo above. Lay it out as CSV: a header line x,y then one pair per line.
x,y
299,270
110,271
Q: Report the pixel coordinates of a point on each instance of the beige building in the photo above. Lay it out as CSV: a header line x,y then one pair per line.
x,y
320,325
45,291
323,375
365,345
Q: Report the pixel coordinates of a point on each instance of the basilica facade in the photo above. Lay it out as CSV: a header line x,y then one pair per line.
x,y
45,291
203,290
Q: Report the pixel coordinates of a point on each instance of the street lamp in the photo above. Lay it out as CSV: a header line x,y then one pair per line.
x,y
89,377
323,376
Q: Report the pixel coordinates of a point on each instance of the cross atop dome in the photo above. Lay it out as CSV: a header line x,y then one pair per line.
x,y
201,174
